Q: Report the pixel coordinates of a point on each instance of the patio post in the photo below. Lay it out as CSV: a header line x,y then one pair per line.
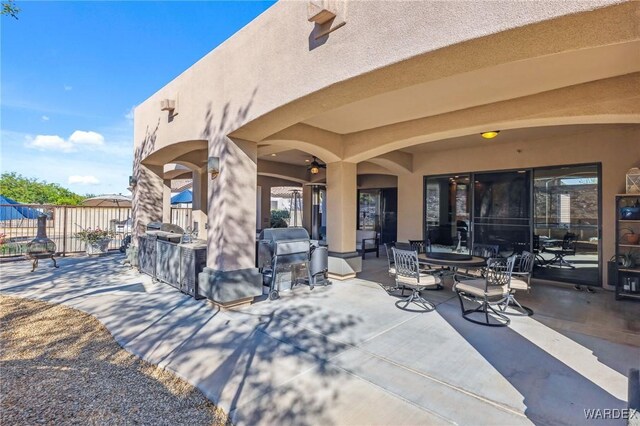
x,y
166,200
148,196
230,275
344,260
199,201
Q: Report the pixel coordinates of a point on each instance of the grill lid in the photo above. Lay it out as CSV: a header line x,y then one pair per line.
x,y
284,234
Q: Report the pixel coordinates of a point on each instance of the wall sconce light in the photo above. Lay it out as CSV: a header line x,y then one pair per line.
x,y
133,181
490,135
213,167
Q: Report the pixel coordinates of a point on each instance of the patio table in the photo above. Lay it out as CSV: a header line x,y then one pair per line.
x,y
452,260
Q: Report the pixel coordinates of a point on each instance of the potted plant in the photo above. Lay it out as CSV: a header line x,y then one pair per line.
x,y
631,236
97,240
628,259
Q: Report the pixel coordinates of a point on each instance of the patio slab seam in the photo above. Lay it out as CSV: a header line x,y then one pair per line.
x,y
352,374
496,404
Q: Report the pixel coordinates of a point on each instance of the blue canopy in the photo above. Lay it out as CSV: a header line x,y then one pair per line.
x,y
185,196
11,209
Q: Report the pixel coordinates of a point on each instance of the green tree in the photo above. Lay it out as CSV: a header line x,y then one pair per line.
x,y
9,8
33,191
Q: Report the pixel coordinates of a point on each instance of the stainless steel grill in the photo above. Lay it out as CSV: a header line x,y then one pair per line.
x,y
287,249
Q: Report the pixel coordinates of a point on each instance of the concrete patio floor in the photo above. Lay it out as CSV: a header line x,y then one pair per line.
x,y
344,354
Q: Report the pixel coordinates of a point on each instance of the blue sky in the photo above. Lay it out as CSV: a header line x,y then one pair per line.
x,y
73,71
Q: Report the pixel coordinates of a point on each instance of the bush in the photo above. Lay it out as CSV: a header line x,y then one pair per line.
x,y
278,218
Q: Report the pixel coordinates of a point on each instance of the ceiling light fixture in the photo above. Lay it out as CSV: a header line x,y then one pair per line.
x,y
273,155
315,166
490,135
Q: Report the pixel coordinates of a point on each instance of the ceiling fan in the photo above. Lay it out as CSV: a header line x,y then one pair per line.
x,y
315,166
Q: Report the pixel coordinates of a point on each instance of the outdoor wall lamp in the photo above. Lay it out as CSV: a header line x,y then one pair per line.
x,y
213,167
490,135
133,181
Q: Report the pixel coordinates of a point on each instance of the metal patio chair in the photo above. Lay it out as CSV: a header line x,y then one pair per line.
x,y
568,248
409,275
420,246
521,281
490,291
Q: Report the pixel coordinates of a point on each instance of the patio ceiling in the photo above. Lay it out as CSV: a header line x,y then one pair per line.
x,y
480,87
527,135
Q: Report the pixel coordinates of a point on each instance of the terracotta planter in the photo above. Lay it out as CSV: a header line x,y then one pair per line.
x,y
633,238
97,247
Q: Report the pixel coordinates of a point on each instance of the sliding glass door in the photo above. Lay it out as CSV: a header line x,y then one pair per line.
x,y
378,211
502,210
553,212
567,211
447,212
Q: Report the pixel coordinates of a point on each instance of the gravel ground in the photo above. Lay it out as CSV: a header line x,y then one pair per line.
x,y
62,366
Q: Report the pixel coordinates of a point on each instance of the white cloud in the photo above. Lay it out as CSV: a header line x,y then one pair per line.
x,y
50,142
129,114
67,88
56,143
80,137
83,180
45,118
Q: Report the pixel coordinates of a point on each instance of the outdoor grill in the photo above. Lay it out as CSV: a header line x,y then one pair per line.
x,y
41,246
287,249
162,256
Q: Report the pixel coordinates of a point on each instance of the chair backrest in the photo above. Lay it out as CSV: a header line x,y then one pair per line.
x,y
420,246
388,248
406,262
498,273
569,241
526,261
485,250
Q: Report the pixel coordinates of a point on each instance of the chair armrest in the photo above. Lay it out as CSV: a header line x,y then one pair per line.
x,y
375,240
520,274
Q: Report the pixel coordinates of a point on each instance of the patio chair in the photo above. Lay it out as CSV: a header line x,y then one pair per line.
x,y
481,250
537,249
568,248
409,275
391,264
420,246
485,250
490,291
521,281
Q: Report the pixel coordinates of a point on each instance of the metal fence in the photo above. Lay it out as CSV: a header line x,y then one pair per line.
x,y
63,223
182,216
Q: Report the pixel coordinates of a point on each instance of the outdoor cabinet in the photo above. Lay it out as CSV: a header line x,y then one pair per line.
x,y
147,255
175,264
193,260
168,263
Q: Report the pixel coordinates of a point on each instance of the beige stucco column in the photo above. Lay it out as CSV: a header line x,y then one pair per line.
x,y
200,196
148,195
231,275
410,200
166,200
344,261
